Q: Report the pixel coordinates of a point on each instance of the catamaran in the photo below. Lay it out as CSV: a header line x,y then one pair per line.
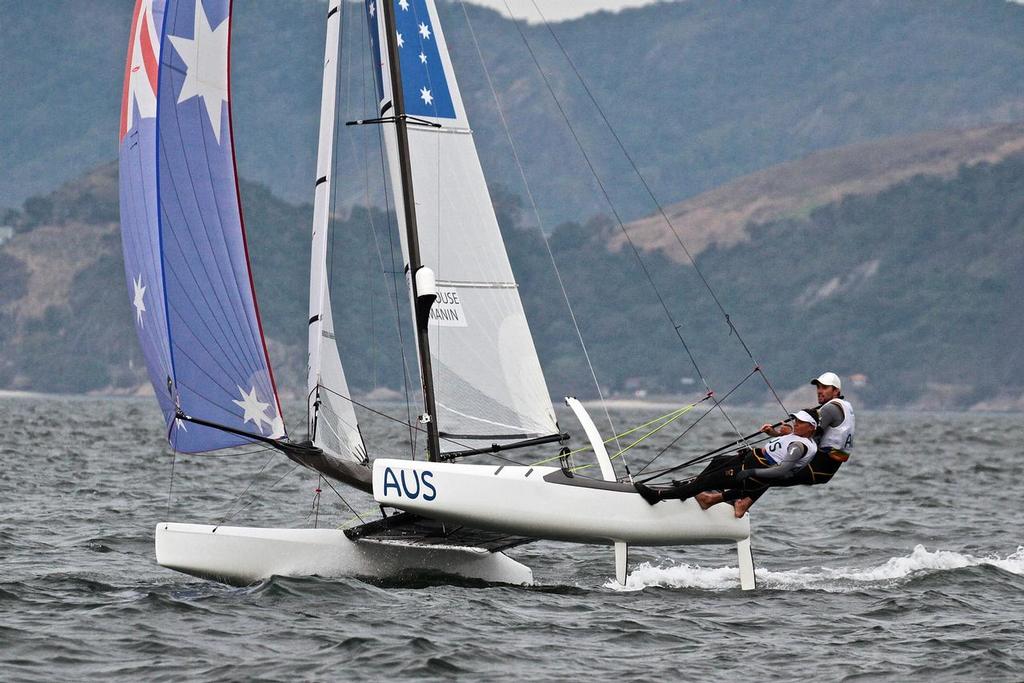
x,y
483,389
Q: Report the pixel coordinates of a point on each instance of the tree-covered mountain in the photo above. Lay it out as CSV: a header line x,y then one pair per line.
x,y
914,287
699,93
896,258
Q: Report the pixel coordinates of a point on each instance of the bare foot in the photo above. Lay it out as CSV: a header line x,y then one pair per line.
x,y
708,498
742,505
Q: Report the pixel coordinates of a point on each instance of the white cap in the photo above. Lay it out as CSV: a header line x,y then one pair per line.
x,y
828,379
804,416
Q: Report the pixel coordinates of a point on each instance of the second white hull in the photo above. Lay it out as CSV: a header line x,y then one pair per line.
x,y
245,555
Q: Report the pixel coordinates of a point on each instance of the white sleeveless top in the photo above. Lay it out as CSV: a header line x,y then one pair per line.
x,y
840,438
776,449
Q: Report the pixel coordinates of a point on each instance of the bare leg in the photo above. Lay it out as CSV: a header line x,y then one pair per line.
x,y
708,498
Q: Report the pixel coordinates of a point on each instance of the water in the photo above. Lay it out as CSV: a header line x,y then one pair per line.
x,y
909,564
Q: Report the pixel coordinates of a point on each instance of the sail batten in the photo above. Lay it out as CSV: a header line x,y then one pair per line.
x,y
186,258
332,426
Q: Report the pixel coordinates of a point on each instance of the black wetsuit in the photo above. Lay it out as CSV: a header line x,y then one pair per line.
x,y
819,470
748,472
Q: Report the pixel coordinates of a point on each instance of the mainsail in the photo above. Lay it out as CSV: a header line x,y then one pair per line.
x,y
184,242
488,382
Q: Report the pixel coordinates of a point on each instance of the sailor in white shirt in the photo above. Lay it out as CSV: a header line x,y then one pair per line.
x,y
749,472
834,436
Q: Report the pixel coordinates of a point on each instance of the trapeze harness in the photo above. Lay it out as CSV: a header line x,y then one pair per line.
x,y
747,473
834,448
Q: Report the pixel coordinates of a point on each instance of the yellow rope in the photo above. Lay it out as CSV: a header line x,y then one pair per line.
x,y
665,420
648,434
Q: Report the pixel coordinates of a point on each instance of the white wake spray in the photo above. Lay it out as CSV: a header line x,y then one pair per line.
x,y
838,580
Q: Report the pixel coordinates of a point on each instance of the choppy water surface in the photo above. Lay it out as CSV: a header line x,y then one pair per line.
x,y
909,564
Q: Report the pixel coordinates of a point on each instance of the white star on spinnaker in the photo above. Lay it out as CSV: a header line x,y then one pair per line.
x,y
139,301
206,65
253,407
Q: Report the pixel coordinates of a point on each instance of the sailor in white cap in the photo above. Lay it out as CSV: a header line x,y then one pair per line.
x,y
750,471
836,424
834,436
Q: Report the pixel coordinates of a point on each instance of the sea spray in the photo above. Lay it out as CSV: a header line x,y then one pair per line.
x,y
919,562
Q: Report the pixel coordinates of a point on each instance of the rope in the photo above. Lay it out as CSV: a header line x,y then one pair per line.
x,y
352,509
687,430
357,517
412,427
540,225
703,457
661,209
270,488
170,484
236,454
228,515
315,511
394,272
655,430
665,420
636,252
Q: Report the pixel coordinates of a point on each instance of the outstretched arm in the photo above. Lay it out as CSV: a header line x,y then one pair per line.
x,y
771,430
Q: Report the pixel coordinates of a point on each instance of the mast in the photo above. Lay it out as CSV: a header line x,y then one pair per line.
x,y
421,306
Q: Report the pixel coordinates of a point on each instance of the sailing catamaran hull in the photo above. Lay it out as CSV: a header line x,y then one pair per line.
x,y
245,555
541,502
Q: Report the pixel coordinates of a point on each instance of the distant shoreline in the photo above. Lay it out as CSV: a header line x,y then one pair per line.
x,y
660,404
11,393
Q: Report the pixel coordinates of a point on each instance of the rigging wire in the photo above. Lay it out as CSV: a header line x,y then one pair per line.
x,y
618,218
336,158
315,509
349,506
389,203
661,209
232,453
228,515
391,291
665,421
394,278
255,498
750,443
685,431
540,225
170,484
413,427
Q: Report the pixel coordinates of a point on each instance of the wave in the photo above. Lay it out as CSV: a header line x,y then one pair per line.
x,y
920,562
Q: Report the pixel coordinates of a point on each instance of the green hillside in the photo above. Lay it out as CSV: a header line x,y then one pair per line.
x,y
699,93
914,287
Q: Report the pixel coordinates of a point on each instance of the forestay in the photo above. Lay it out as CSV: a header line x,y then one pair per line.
x,y
488,381
184,242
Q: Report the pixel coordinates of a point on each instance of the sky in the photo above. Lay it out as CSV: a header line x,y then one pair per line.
x,y
557,10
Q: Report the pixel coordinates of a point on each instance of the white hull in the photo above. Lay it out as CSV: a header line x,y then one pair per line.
x,y
243,555
517,500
